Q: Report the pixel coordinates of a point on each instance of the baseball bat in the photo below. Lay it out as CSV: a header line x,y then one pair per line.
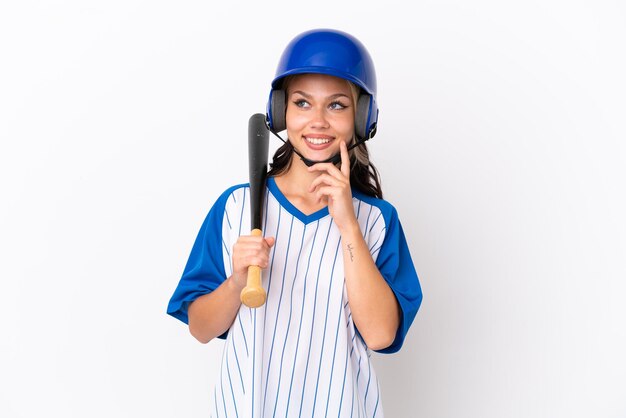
x,y
253,295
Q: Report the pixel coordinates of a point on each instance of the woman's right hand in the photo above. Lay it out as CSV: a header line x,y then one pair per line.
x,y
250,251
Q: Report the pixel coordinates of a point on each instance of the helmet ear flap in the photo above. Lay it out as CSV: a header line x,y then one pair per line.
x,y
362,117
278,110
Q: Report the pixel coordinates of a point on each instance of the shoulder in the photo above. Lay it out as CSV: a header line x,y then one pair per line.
x,y
228,201
232,195
387,210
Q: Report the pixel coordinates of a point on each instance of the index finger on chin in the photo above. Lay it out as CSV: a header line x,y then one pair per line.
x,y
345,159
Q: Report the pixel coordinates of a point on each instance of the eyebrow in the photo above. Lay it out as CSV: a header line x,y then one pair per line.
x,y
332,96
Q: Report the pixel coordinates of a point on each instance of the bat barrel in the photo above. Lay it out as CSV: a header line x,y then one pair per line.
x,y
258,145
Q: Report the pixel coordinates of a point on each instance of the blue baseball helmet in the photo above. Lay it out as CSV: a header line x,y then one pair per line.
x,y
330,52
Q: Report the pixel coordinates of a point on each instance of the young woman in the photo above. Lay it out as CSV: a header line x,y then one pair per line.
x,y
338,274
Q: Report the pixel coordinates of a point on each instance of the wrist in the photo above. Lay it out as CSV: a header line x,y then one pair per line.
x,y
351,230
235,285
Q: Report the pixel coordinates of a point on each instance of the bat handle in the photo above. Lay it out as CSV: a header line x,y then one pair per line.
x,y
253,295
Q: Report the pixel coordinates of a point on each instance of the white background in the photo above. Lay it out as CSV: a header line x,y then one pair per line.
x,y
501,142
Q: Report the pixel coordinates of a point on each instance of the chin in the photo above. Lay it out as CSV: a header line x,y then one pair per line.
x,y
319,157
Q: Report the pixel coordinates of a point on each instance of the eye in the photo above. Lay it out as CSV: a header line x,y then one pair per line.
x,y
301,103
337,105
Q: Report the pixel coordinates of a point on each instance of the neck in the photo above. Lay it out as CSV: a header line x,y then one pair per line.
x,y
295,184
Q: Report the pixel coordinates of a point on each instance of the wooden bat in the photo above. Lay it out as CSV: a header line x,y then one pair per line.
x,y
253,295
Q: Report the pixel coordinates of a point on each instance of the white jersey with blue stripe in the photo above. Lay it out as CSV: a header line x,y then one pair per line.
x,y
300,354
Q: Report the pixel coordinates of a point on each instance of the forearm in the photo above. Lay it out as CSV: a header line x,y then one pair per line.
x,y
375,310
212,314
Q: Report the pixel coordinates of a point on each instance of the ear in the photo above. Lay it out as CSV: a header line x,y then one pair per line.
x,y
362,116
278,110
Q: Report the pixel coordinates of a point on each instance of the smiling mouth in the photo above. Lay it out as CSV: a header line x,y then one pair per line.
x,y
316,141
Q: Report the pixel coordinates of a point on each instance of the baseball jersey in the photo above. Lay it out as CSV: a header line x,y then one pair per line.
x,y
300,354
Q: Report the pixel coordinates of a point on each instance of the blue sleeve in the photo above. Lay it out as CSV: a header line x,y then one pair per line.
x,y
204,271
396,266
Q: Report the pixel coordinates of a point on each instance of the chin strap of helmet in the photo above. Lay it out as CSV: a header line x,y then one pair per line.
x,y
335,159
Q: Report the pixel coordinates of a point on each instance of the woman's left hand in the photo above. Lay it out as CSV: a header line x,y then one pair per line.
x,y
333,187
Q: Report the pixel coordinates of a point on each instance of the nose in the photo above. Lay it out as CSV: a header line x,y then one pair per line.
x,y
319,118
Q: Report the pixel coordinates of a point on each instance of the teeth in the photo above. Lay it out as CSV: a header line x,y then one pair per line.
x,y
317,141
